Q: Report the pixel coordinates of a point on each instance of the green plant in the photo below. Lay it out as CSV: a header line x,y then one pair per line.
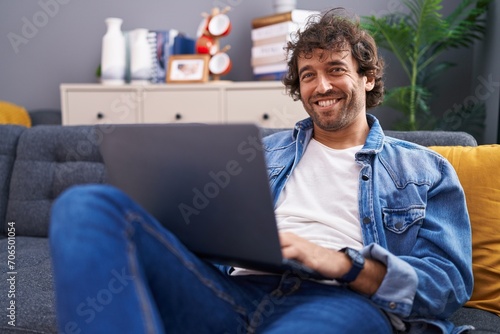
x,y
417,37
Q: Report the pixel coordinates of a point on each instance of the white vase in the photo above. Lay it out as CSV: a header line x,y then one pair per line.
x,y
282,6
141,54
113,57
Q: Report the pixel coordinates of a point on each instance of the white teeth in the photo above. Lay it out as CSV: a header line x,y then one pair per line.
x,y
327,103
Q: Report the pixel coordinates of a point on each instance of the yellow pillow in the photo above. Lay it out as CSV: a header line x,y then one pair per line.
x,y
478,170
11,113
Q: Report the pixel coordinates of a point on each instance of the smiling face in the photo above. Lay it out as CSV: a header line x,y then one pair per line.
x,y
332,91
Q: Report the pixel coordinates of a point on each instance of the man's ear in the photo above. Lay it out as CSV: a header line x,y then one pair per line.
x,y
370,83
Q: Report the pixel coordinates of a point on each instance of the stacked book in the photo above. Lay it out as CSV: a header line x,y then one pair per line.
x,y
165,43
270,35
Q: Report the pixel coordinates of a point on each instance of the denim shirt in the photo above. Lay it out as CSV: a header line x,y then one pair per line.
x,y
413,218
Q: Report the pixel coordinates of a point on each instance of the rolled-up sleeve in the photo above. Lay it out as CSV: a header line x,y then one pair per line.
x,y
398,289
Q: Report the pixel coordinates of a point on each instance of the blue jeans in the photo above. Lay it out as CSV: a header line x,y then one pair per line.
x,y
117,270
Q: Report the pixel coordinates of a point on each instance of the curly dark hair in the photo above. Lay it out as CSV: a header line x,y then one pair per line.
x,y
334,31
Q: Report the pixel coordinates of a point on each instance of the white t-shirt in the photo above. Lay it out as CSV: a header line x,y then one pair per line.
x,y
320,200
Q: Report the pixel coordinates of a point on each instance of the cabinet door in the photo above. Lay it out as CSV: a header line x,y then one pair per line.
x,y
198,106
267,107
93,107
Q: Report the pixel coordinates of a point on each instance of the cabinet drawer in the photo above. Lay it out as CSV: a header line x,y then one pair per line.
x,y
93,107
269,107
182,106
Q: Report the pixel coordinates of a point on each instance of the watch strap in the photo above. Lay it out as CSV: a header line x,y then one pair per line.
x,y
358,263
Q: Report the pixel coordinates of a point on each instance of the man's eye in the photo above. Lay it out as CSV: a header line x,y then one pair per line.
x,y
306,76
337,71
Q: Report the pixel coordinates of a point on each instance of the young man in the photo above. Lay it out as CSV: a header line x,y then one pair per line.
x,y
352,204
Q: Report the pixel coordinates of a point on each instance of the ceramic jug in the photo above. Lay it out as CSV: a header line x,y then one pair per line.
x,y
141,56
113,57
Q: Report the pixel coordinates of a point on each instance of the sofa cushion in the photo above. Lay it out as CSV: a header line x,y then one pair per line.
x,y
9,135
49,160
477,169
11,113
34,290
483,322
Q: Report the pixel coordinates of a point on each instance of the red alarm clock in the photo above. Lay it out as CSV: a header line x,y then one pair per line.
x,y
220,64
219,25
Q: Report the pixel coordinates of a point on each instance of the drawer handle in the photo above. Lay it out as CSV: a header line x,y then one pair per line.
x,y
100,115
265,116
178,116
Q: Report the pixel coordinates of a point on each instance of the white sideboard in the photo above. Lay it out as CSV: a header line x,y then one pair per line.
x,y
264,103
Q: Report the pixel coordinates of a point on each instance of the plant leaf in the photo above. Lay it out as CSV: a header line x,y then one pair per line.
x,y
433,72
399,98
426,21
393,34
465,24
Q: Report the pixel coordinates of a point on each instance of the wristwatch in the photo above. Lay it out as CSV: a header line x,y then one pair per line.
x,y
358,263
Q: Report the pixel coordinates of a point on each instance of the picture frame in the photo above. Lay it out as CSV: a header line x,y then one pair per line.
x,y
188,68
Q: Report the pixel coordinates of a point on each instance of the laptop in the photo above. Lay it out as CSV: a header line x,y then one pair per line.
x,y
207,184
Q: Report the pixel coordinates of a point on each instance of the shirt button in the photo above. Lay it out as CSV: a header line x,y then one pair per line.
x,y
366,220
365,177
399,225
392,305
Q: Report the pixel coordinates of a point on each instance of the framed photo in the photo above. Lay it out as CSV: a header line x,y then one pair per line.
x,y
188,68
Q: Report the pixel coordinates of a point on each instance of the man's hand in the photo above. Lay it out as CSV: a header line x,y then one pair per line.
x,y
331,263
325,261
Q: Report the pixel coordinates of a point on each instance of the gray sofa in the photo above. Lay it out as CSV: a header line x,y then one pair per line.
x,y
39,163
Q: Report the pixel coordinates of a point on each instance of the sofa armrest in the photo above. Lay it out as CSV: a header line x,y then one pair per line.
x,y
435,138
45,117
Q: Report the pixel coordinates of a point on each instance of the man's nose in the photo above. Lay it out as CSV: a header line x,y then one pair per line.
x,y
324,84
